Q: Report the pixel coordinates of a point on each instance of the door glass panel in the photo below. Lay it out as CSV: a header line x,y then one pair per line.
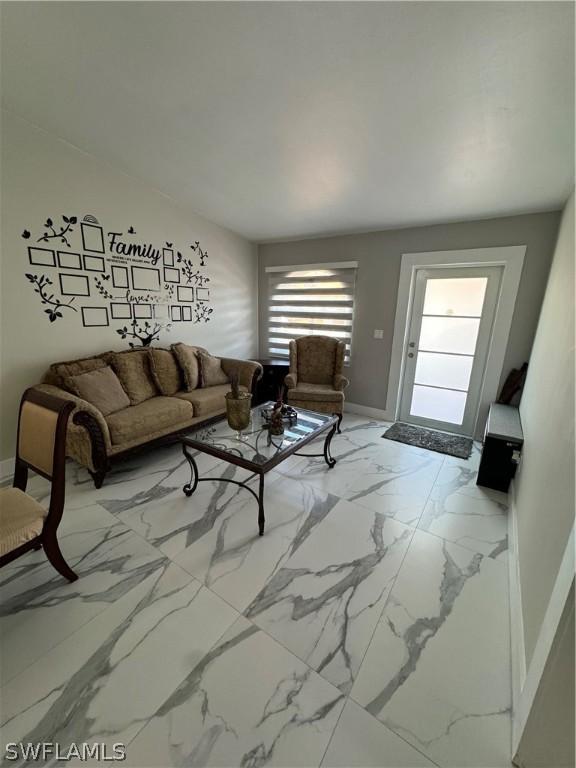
x,y
438,404
449,334
455,296
440,370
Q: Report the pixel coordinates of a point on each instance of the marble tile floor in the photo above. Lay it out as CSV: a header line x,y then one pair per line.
x,y
368,627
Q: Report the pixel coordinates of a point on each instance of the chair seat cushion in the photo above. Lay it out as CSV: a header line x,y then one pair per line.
x,y
150,416
315,393
21,519
210,400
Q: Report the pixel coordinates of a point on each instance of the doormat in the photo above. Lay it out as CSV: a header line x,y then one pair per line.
x,y
441,442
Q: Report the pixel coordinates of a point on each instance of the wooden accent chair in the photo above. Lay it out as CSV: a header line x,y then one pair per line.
x,y
315,380
41,446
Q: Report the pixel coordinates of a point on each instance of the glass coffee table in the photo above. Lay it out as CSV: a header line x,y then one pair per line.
x,y
255,449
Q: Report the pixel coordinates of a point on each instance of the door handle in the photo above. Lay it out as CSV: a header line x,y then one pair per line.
x,y
411,343
410,354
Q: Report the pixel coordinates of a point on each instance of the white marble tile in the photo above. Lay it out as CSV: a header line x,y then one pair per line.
x,y
459,476
107,679
361,741
383,476
481,524
325,600
437,671
249,702
231,558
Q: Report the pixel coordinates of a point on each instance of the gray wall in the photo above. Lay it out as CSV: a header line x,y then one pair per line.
x,y
379,255
544,485
45,176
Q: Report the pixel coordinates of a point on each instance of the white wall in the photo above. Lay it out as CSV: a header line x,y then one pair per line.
x,y
544,485
43,176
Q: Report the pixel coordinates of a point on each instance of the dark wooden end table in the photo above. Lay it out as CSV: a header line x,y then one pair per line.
x,y
256,450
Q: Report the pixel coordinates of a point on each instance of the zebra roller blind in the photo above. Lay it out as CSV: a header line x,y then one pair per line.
x,y
316,299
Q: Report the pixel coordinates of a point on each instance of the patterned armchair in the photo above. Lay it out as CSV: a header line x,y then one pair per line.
x,y
315,380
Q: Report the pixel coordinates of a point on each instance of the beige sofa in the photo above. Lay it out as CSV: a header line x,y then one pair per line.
x,y
95,440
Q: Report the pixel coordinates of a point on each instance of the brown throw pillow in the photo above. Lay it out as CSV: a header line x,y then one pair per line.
x,y
133,370
101,388
63,371
165,371
187,357
211,373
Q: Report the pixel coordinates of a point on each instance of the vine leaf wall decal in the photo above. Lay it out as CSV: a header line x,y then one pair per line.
x,y
61,234
40,287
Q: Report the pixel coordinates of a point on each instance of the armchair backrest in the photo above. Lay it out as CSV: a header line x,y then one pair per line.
x,y
316,359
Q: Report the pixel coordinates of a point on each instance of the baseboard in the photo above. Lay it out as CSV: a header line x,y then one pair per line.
x,y
365,410
517,647
6,471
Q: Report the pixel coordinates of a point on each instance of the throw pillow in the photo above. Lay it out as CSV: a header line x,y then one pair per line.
x,y
61,372
133,370
165,371
101,388
188,362
211,373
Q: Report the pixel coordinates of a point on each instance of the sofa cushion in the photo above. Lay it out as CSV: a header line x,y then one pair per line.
x,y
211,373
133,370
208,401
59,372
315,393
101,388
187,357
165,371
151,415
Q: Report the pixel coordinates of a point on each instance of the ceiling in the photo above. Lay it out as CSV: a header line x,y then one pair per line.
x,y
283,120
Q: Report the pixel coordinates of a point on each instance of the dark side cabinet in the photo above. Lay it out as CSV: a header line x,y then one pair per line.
x,y
275,369
503,439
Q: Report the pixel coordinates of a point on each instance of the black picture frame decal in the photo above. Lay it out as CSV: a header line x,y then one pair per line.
x,y
176,313
94,263
120,277
74,285
142,311
121,310
95,317
185,293
41,257
145,278
69,260
168,255
162,312
202,294
187,314
92,237
171,275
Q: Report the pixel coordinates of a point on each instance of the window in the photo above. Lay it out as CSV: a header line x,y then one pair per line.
x,y
316,299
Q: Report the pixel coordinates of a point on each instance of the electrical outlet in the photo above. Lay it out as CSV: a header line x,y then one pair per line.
x,y
378,334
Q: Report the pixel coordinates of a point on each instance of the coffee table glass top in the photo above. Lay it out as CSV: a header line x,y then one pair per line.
x,y
255,445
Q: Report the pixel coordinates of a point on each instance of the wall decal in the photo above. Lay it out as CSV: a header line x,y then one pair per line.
x,y
185,293
94,263
142,311
145,278
151,285
171,275
121,310
120,277
92,237
94,317
41,288
69,260
62,233
145,334
41,257
73,285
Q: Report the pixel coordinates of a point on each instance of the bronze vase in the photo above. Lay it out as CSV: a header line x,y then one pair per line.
x,y
238,410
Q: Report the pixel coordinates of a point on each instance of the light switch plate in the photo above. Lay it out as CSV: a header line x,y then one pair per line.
x,y
378,334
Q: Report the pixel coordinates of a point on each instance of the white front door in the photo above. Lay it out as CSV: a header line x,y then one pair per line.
x,y
449,334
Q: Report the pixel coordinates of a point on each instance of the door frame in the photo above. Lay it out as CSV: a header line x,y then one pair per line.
x,y
511,258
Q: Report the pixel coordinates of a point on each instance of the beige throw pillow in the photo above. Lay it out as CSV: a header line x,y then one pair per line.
x,y
211,373
188,362
61,372
133,370
165,371
101,388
